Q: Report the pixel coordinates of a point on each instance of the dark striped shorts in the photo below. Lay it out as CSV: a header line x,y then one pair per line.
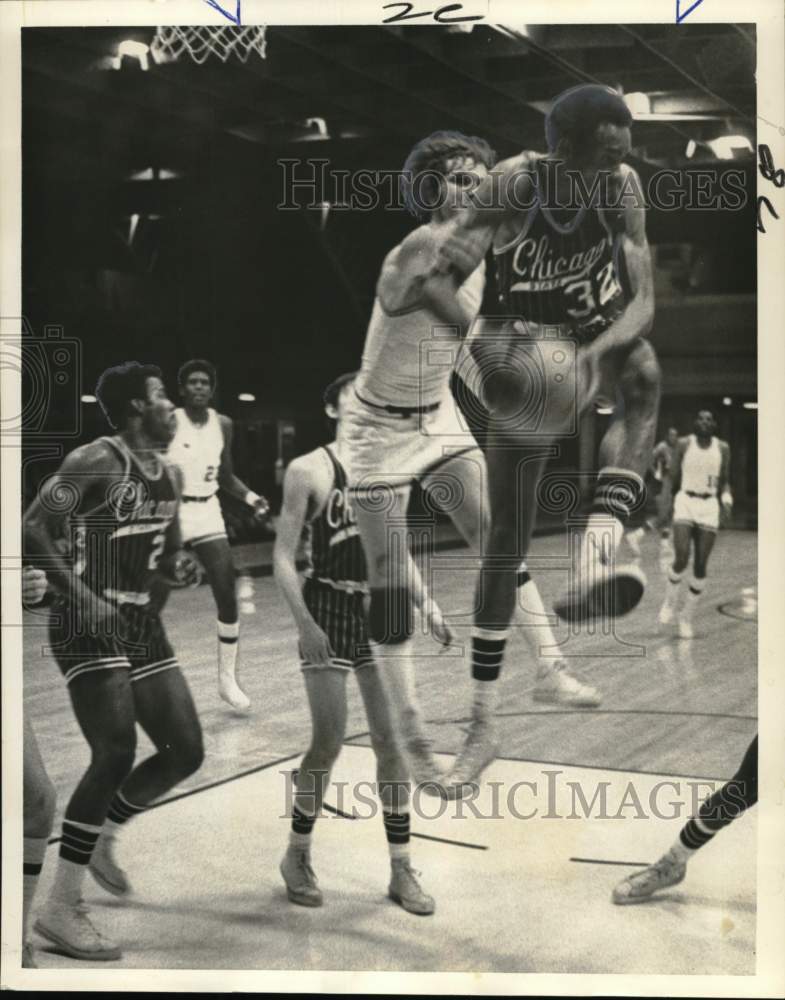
x,y
133,638
342,617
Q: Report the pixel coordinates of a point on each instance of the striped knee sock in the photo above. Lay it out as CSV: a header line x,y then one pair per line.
x,y
302,828
397,829
120,811
487,654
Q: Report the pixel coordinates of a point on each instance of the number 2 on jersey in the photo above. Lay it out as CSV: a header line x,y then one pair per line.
x,y
156,550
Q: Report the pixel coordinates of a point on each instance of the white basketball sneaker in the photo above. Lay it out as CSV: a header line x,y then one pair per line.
x,y
478,751
68,926
555,684
685,629
601,589
407,892
637,888
301,883
667,613
232,693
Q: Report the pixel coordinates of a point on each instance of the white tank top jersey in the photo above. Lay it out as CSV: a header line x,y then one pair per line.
x,y
197,448
700,467
403,363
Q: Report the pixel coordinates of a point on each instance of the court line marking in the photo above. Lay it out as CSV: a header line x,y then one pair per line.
x,y
412,833
604,861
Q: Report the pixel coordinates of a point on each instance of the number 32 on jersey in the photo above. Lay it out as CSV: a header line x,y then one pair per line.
x,y
580,294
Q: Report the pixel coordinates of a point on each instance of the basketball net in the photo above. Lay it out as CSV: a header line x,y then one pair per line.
x,y
201,41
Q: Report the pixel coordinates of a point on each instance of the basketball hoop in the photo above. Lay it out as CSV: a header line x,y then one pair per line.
x,y
201,41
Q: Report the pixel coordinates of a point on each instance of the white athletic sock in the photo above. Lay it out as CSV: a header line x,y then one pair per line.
x,y
395,664
32,860
303,821
681,851
530,612
78,840
228,633
673,588
601,538
694,592
485,697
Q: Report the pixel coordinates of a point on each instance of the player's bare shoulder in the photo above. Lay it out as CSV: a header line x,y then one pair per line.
x,y
98,457
309,476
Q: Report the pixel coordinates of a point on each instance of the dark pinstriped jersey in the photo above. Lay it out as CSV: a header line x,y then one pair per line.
x,y
117,545
336,552
563,268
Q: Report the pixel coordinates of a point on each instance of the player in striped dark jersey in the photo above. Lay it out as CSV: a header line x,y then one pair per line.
x,y
329,613
568,232
103,526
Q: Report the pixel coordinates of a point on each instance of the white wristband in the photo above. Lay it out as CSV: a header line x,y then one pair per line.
x,y
727,498
251,498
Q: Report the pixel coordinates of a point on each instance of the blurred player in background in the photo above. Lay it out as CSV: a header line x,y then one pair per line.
x,y
202,448
402,425
330,616
104,525
39,798
720,809
701,485
577,264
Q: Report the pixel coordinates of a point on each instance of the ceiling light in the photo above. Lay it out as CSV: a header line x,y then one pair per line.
x,y
246,397
750,406
725,147
638,103
727,401
605,410
691,147
89,399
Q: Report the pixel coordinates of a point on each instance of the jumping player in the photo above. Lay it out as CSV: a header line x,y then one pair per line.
x,y
701,485
401,425
330,617
717,812
202,448
569,238
103,525
38,794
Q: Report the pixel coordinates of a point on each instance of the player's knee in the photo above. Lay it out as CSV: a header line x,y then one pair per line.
x,y
323,752
641,380
188,755
39,809
114,759
391,615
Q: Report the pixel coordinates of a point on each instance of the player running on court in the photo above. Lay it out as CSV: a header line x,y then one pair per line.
x,y
663,457
701,486
330,616
103,526
573,264
402,425
202,448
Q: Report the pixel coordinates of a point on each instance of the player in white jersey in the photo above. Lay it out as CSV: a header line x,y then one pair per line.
x,y
700,476
202,448
403,425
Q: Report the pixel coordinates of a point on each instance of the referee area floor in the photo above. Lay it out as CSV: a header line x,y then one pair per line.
x,y
512,893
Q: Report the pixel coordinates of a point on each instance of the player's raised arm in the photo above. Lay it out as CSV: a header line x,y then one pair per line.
x,y
80,481
232,483
299,494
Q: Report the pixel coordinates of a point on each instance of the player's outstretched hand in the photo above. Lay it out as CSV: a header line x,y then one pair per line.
x,y
33,585
314,644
